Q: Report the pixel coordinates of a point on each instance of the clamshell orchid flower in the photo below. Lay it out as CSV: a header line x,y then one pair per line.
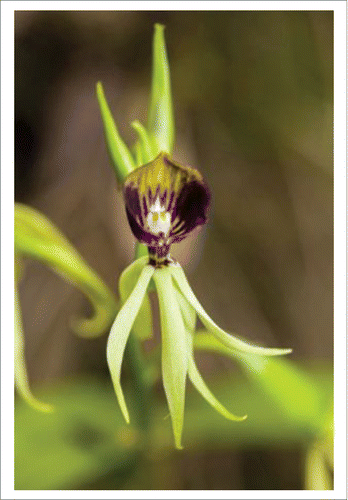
x,y
164,202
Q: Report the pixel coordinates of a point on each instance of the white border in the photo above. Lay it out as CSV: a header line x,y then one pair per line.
x,y
7,178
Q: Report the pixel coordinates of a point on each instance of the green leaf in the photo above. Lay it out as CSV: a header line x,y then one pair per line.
x,y
161,118
174,350
120,331
82,442
119,153
142,327
227,339
20,371
38,238
147,143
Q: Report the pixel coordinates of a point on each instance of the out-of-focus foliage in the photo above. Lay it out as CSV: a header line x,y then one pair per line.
x,y
85,442
253,106
37,238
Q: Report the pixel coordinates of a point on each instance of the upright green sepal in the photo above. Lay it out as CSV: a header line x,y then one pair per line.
x,y
119,153
161,117
148,144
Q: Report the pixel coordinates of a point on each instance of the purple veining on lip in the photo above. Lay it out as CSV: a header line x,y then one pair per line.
x,y
164,203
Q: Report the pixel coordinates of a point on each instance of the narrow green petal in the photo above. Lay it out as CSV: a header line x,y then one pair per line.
x,y
161,118
38,238
174,350
120,331
201,387
287,384
142,327
188,313
227,339
189,316
21,375
147,143
120,155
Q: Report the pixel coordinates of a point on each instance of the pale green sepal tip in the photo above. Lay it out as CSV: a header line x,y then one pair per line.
x,y
120,155
174,350
120,331
202,388
225,338
197,380
20,370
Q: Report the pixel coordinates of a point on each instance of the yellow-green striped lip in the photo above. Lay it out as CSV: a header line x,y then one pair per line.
x,y
164,202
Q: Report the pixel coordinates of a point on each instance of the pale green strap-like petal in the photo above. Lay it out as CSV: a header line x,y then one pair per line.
x,y
120,331
189,316
161,118
201,387
188,313
147,143
227,339
120,155
174,350
142,327
21,376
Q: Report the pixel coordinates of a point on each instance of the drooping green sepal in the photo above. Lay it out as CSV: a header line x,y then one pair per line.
x,y
229,340
174,350
189,317
142,327
120,331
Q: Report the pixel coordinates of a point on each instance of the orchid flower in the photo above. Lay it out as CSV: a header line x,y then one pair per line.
x,y
164,202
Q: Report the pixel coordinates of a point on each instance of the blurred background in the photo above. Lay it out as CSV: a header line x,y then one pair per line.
x,y
253,102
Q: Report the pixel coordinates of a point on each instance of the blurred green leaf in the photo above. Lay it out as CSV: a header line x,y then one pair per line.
x,y
86,438
119,153
20,370
267,424
161,117
38,238
83,440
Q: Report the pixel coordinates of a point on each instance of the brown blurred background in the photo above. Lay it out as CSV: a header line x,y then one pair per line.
x,y
253,101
